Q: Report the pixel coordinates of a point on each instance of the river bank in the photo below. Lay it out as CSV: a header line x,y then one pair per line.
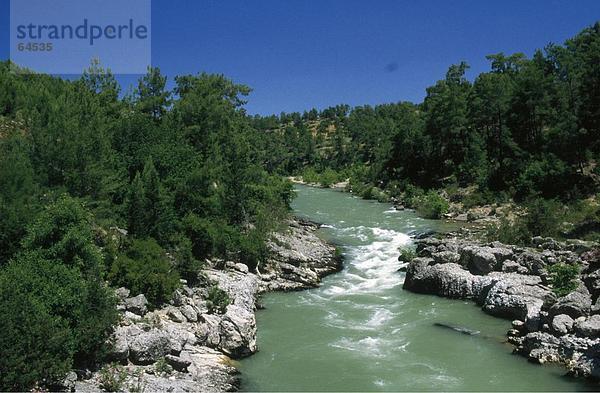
x,y
186,346
514,283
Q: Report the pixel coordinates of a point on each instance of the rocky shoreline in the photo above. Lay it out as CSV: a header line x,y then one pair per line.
x,y
514,283
185,346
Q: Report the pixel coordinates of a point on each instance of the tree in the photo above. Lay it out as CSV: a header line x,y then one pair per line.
x,y
63,232
153,99
144,269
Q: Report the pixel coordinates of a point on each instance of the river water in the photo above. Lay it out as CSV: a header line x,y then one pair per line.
x,y
361,332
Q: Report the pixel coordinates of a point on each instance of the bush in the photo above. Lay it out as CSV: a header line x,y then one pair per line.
x,y
209,237
544,217
549,177
432,205
50,318
144,268
63,231
412,195
185,262
217,300
509,233
253,249
407,255
562,278
112,377
162,368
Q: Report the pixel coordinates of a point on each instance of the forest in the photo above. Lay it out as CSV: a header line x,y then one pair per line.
x,y
188,175
528,127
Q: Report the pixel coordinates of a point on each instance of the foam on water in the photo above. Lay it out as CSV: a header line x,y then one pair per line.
x,y
372,267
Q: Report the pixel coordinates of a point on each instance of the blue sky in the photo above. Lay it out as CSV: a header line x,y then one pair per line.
x,y
299,54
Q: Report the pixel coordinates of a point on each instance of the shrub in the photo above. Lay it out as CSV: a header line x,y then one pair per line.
x,y
562,278
549,177
412,195
509,233
63,231
162,368
544,217
217,300
144,268
185,262
112,377
50,317
407,255
209,237
432,205
253,249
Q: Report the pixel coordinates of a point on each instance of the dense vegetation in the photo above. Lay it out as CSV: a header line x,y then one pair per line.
x,y
191,176
528,128
78,165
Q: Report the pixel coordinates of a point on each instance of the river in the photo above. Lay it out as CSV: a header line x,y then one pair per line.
x,y
361,332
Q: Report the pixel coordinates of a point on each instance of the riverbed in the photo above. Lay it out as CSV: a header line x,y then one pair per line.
x,y
361,332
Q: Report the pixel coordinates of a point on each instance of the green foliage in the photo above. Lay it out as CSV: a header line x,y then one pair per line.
x,y
563,278
17,203
112,377
407,254
432,205
50,316
144,268
148,206
508,232
217,300
186,264
162,368
63,231
528,128
412,195
542,218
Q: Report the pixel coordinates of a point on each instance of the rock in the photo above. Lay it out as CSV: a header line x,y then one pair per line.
x,y
122,293
588,328
119,350
177,298
449,280
562,324
189,313
532,261
510,267
178,363
306,277
175,315
517,324
445,257
592,282
237,332
578,246
575,304
515,296
302,248
131,316
540,347
137,305
148,347
501,254
596,308
69,381
479,260
240,267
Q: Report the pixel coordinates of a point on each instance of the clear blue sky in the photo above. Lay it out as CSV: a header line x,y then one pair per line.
x,y
299,54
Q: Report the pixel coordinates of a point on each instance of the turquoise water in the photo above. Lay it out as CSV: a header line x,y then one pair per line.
x,y
361,332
